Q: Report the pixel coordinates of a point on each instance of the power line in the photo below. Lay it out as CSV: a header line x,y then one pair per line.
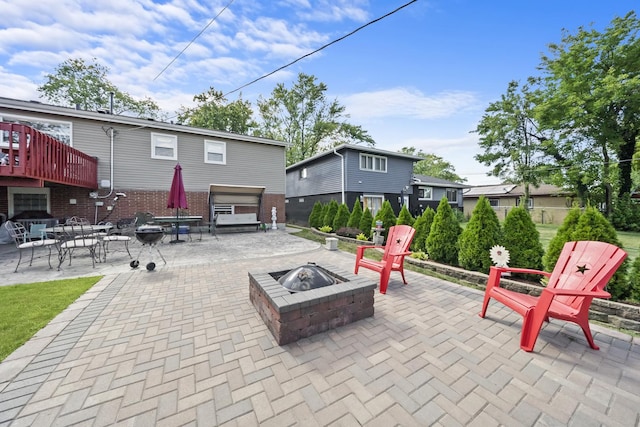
x,y
321,48
193,40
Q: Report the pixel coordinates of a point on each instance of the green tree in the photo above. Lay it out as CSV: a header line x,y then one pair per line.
x,y
405,217
422,226
506,137
592,225
342,217
562,236
522,240
387,216
432,165
330,213
479,236
356,214
316,217
366,222
589,92
77,83
634,279
303,117
214,111
442,242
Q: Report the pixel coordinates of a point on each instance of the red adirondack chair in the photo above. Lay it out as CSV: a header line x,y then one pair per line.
x,y
583,270
396,248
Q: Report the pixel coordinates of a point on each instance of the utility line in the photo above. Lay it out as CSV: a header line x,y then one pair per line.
x,y
193,40
321,48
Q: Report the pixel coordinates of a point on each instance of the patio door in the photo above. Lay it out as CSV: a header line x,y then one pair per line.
x,y
373,202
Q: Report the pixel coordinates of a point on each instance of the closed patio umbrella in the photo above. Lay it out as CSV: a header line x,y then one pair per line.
x,y
177,198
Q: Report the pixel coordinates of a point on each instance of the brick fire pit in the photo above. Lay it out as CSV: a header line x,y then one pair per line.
x,y
291,316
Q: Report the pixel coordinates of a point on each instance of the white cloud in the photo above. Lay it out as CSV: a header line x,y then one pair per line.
x,y
405,102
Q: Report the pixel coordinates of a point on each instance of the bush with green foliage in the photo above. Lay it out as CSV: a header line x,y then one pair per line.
x,y
342,217
592,225
405,217
362,237
387,216
326,229
325,208
479,236
330,213
422,226
562,236
315,217
626,214
634,280
366,223
522,240
442,242
356,214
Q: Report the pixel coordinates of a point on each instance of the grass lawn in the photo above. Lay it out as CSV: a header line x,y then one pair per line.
x,y
25,309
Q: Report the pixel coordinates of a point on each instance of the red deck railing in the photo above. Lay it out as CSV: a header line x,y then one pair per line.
x,y
28,154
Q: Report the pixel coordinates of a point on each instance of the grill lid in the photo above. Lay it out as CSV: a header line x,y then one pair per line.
x,y
306,277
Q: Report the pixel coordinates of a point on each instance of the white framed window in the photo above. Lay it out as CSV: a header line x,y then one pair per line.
x,y
373,202
494,203
164,147
62,131
452,195
304,173
425,193
23,199
529,204
215,152
369,162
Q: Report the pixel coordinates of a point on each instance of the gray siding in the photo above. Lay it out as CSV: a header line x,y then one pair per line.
x,y
323,177
398,175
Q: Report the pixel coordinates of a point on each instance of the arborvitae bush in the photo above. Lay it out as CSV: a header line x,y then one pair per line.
x,y
563,235
479,236
442,242
405,217
592,225
522,240
366,222
325,208
626,214
634,280
387,216
422,226
315,218
356,214
330,214
342,217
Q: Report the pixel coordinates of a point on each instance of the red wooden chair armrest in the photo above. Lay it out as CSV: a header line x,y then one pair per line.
x,y
578,293
400,253
360,249
523,270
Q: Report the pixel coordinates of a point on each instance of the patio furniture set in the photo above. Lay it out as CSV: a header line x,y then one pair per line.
x,y
77,234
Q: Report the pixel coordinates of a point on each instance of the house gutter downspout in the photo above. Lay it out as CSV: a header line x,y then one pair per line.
x,y
341,173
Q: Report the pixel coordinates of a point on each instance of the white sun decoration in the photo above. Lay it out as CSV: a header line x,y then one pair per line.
x,y
499,255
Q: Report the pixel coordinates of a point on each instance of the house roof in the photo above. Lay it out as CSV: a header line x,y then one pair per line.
x,y
105,117
436,182
354,147
510,190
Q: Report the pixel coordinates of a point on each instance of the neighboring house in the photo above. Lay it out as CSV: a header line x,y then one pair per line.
x,y
429,190
121,154
346,174
547,204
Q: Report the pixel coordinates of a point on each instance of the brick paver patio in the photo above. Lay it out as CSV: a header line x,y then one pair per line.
x,y
184,346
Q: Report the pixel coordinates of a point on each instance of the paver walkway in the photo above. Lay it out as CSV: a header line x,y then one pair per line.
x,y
184,346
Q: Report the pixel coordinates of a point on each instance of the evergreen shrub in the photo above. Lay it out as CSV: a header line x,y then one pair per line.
x,y
479,236
442,242
356,214
422,226
330,213
315,217
522,240
342,217
366,222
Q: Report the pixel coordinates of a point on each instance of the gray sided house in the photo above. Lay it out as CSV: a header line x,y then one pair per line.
x,y
346,174
429,190
132,156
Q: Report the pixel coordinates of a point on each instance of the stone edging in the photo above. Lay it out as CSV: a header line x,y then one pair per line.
x,y
614,313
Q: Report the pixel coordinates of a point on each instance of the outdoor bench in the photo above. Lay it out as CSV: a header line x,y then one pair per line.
x,y
235,222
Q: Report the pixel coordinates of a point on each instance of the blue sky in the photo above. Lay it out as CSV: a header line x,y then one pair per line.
x,y
421,77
